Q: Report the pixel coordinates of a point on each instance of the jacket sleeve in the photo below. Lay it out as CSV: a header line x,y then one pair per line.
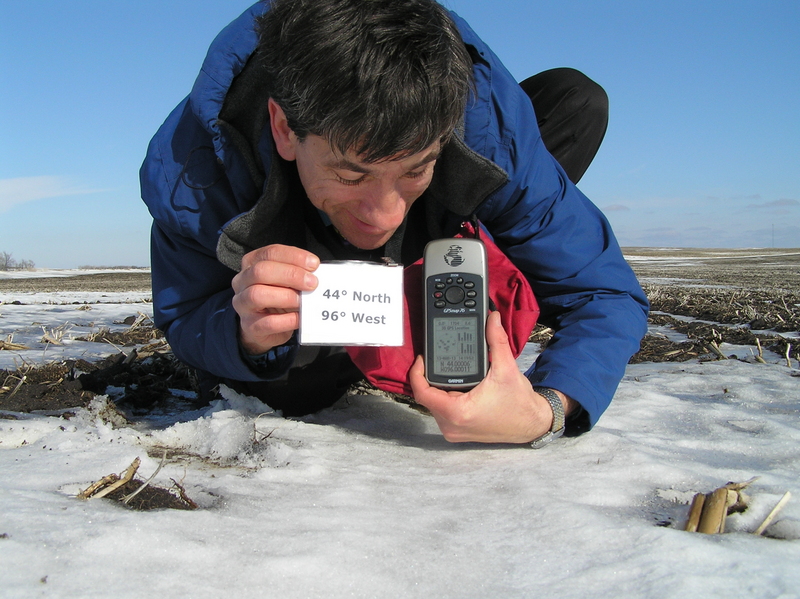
x,y
192,304
561,241
190,198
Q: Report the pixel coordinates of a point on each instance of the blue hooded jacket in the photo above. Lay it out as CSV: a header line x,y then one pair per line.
x,y
205,189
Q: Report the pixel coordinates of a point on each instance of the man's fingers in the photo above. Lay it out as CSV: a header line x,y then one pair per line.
x,y
277,323
267,294
286,254
436,400
416,377
268,330
263,298
497,339
277,265
277,274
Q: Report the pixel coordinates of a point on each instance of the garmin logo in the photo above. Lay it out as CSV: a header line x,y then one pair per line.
x,y
455,381
453,256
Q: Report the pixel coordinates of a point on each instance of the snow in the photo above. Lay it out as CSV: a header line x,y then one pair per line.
x,y
56,314
39,273
366,499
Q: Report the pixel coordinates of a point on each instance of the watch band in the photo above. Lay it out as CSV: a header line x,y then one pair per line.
x,y
558,418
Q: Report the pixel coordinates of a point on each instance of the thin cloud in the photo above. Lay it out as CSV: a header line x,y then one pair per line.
x,y
783,203
660,230
633,171
713,237
21,190
753,197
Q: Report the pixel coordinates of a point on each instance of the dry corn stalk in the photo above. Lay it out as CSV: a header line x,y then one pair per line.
x,y
9,344
110,483
54,336
771,516
708,512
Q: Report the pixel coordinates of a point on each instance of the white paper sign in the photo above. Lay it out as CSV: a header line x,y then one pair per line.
x,y
356,303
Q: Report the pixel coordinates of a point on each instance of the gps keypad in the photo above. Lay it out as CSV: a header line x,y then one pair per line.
x,y
454,291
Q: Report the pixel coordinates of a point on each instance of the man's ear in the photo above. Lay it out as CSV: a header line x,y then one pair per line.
x,y
285,139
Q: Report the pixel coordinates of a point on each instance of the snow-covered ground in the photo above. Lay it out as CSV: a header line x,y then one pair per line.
x,y
43,314
366,499
42,273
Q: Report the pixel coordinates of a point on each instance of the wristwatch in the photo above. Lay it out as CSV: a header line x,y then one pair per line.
x,y
558,418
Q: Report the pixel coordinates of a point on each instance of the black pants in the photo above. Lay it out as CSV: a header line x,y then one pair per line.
x,y
318,378
572,112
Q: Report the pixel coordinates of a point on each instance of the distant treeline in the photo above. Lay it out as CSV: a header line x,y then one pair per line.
x,y
7,262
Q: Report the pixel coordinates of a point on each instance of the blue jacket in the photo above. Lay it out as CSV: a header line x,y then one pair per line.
x,y
214,188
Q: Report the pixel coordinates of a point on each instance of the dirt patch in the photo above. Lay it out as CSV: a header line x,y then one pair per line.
x,y
98,282
741,297
142,378
151,497
48,388
130,492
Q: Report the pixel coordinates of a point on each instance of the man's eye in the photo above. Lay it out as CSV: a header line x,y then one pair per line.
x,y
344,181
423,171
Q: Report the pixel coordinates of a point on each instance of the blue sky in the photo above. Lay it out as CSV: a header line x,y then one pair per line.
x,y
703,146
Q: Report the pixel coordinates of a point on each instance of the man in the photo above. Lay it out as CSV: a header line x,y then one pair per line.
x,y
357,129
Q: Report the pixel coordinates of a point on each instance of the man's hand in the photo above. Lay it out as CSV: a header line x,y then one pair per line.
x,y
267,294
503,408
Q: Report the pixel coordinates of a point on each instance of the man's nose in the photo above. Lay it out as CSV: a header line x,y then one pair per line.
x,y
386,207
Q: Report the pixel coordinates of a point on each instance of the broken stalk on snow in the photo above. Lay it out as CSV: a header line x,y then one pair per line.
x,y
109,483
715,348
709,511
256,432
92,489
760,356
139,320
184,496
54,336
9,344
125,478
768,520
126,500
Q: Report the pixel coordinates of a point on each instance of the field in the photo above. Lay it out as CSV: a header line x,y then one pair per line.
x,y
702,302
96,282
743,297
366,499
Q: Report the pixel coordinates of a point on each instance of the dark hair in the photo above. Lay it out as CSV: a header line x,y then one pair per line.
x,y
378,77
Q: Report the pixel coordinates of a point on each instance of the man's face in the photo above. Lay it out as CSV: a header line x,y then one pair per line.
x,y
366,202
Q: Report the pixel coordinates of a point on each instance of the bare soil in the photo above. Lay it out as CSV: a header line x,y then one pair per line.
x,y
100,282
